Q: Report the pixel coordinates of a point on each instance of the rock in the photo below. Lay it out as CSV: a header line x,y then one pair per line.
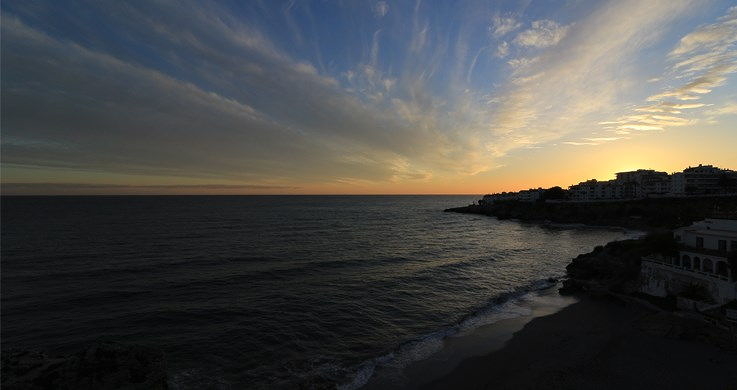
x,y
616,266
101,366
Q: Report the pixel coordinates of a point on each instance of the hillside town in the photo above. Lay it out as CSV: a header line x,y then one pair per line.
x,y
702,180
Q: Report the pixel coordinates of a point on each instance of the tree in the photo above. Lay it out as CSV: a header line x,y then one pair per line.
x,y
555,193
662,243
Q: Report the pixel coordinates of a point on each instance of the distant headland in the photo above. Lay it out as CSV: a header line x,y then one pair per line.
x,y
702,180
640,199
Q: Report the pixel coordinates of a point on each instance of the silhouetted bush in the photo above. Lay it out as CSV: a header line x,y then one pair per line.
x,y
662,243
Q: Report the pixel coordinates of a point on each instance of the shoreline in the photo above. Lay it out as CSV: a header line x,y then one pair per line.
x,y
598,342
478,341
455,350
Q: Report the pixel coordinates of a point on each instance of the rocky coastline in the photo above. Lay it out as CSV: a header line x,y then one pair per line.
x,y
100,366
613,270
613,337
640,214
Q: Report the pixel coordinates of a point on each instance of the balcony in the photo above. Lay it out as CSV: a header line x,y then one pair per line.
x,y
669,262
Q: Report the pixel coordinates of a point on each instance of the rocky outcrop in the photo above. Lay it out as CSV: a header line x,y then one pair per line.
x,y
642,214
101,366
616,265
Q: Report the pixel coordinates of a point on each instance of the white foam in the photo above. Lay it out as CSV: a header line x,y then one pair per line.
x,y
364,372
506,311
429,345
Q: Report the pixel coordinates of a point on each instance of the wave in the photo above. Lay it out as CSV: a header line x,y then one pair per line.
x,y
504,306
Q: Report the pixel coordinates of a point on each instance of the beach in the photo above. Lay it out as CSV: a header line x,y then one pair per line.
x,y
598,343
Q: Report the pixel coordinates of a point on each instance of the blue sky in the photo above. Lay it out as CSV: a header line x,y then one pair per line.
x,y
360,96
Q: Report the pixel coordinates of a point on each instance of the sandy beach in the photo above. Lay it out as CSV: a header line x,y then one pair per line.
x,y
598,343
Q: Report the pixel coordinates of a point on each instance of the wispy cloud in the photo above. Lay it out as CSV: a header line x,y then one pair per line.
x,y
668,107
272,97
381,9
121,189
704,57
255,113
503,25
729,108
592,141
603,139
556,92
544,33
573,143
712,39
502,50
233,139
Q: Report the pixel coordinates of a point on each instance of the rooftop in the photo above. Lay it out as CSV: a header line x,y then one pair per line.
x,y
712,232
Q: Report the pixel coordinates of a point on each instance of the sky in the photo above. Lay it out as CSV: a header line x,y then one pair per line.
x,y
360,97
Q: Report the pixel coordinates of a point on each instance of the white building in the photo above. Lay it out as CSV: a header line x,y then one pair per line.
x,y
703,260
644,182
637,184
703,180
707,179
592,190
531,195
678,184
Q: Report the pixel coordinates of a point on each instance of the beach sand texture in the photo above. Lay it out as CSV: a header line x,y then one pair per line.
x,y
597,343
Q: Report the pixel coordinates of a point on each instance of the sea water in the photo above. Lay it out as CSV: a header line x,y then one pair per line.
x,y
269,291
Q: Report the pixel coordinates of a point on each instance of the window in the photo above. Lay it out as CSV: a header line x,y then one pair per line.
x,y
686,262
722,268
707,266
697,263
677,261
699,242
733,245
722,245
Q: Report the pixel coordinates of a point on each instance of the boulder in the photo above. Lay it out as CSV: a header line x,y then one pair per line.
x,y
101,366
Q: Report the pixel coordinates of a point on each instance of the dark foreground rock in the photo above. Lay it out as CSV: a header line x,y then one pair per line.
x,y
101,366
615,266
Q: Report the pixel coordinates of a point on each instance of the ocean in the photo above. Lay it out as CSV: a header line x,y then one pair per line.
x,y
269,291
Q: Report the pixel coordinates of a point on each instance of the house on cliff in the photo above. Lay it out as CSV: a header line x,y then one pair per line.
x,y
705,265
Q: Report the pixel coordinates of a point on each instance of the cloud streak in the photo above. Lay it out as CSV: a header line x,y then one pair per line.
x,y
298,124
543,33
123,189
503,25
562,89
704,57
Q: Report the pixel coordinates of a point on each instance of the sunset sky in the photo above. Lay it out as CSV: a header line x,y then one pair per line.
x,y
344,97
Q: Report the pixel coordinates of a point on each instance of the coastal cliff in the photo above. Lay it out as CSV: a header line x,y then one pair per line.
x,y
645,214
